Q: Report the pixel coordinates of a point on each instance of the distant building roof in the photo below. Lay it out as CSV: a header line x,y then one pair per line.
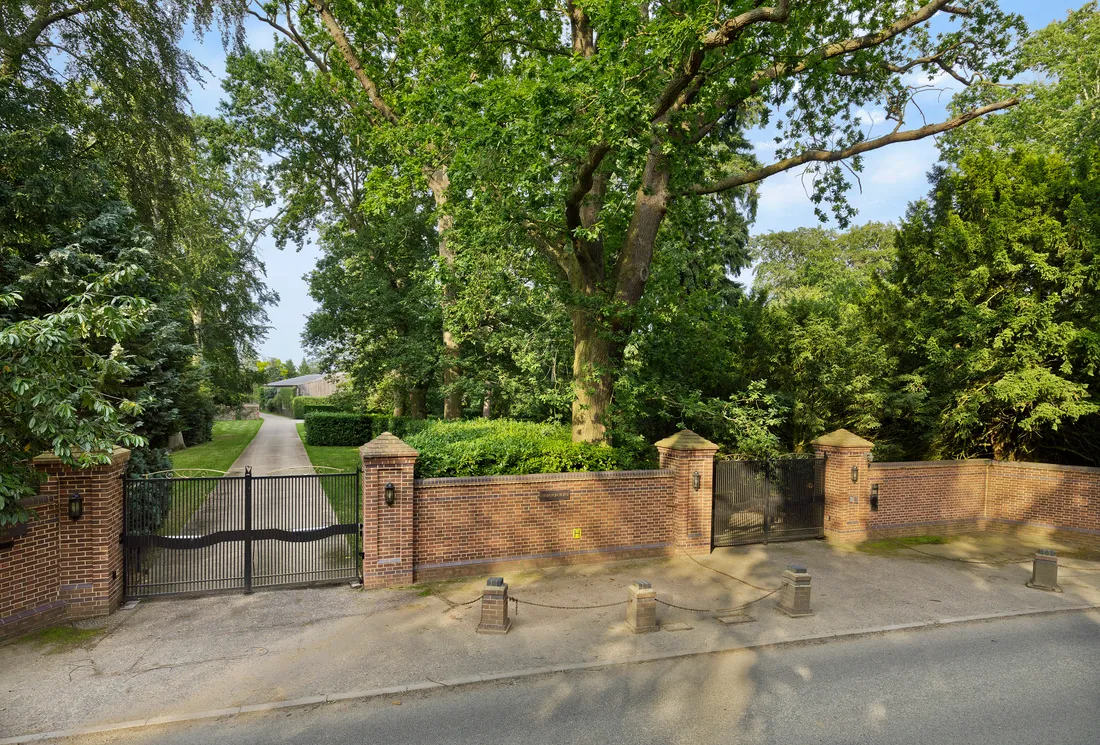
x,y
294,382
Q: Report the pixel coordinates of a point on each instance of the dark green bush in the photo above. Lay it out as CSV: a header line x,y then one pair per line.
x,y
501,446
148,501
197,420
337,428
302,405
400,426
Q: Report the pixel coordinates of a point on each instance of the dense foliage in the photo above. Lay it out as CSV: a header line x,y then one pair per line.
x,y
504,446
581,164
130,292
337,428
302,405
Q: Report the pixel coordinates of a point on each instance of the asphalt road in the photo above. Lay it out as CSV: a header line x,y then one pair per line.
x,y
1033,680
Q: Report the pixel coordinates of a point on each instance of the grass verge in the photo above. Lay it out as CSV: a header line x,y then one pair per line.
x,y
229,441
57,639
892,545
345,459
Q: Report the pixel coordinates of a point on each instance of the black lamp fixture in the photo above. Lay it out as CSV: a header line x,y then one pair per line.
x,y
696,481
76,506
855,474
391,494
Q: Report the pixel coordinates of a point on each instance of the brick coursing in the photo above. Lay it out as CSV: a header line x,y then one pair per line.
x,y
440,528
957,496
65,569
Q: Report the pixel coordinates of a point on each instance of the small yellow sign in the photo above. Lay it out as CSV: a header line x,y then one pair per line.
x,y
576,532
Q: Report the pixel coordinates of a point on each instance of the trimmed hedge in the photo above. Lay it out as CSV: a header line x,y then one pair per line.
x,y
302,405
506,447
400,426
337,428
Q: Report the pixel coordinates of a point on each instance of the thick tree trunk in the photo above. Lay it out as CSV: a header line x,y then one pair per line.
x,y
487,404
398,402
438,182
418,403
592,379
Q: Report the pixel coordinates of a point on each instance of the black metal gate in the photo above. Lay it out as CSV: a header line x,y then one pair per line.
x,y
239,532
777,499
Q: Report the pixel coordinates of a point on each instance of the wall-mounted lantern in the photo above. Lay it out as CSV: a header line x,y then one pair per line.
x,y
76,506
391,495
696,481
855,474
874,497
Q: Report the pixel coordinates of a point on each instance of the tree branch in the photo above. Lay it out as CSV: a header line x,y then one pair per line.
x,y
291,34
353,61
836,49
832,156
725,34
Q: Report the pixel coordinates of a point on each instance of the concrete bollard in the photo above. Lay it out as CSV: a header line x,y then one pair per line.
x,y
641,607
494,608
794,598
1044,571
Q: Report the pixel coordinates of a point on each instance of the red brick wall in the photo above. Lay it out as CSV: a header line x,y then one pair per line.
x,y
928,496
63,568
466,525
29,575
1045,496
951,496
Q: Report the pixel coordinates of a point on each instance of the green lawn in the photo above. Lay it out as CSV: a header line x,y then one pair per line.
x,y
230,440
346,506
344,458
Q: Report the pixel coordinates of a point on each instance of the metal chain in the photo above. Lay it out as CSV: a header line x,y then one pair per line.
x,y
719,571
517,602
1007,562
719,610
451,605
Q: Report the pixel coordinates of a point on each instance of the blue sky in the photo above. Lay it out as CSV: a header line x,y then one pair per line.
x,y
891,179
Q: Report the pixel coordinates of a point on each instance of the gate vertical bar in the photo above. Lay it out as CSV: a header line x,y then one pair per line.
x,y
358,497
767,496
122,538
248,529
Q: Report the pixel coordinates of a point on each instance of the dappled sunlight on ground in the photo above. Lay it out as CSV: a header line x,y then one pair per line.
x,y
173,656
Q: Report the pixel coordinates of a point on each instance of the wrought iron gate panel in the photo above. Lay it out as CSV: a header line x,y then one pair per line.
x,y
187,535
768,500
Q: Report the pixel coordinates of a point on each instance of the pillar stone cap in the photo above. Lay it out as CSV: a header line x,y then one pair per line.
x,y
116,453
387,445
685,439
842,438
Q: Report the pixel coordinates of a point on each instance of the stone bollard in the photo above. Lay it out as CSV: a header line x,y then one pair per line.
x,y
794,598
1044,571
641,607
494,608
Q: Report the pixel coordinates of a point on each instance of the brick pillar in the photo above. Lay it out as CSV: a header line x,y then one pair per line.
x,y
847,501
688,454
89,552
494,608
388,550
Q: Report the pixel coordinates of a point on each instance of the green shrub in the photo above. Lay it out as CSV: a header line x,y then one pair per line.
x,y
501,446
280,402
400,426
302,405
197,420
148,501
337,428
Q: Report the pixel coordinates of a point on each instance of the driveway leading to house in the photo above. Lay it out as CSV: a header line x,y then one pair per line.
x,y
294,503
275,450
